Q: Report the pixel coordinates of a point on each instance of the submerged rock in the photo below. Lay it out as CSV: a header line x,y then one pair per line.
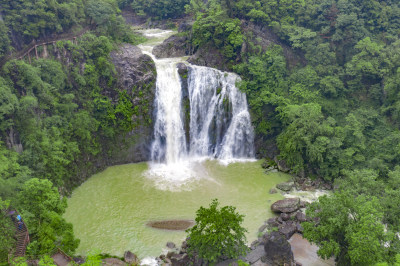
x,y
273,191
171,224
171,245
286,186
286,205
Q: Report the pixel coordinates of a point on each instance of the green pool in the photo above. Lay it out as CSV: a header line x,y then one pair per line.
x,y
110,210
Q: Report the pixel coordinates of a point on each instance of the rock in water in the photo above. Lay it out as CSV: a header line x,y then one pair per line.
x,y
131,258
273,191
170,245
278,249
286,205
285,186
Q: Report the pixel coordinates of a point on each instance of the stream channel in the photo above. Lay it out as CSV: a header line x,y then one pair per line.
x,y
111,210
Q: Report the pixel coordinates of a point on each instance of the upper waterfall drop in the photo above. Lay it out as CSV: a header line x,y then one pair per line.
x,y
206,118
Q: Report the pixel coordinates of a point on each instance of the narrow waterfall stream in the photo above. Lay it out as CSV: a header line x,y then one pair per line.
x,y
202,150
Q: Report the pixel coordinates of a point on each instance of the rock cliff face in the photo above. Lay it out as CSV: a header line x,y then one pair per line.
x,y
137,76
174,46
209,57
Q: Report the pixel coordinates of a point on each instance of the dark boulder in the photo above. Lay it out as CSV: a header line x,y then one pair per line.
x,y
284,216
170,245
182,68
301,217
288,229
180,259
286,205
131,258
255,255
282,166
278,250
174,46
286,186
273,222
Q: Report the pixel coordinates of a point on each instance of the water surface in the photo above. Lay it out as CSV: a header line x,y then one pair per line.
x,y
110,210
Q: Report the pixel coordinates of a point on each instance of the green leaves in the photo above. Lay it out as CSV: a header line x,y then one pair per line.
x,y
215,28
218,233
42,209
349,228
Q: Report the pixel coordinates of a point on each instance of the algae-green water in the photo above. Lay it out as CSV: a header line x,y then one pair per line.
x,y
110,210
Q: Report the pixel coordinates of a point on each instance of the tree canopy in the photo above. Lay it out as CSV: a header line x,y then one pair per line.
x,y
217,234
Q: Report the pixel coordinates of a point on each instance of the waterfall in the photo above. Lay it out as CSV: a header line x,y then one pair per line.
x,y
205,118
169,143
220,125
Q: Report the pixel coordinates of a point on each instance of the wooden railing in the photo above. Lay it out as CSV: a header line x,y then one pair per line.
x,y
34,45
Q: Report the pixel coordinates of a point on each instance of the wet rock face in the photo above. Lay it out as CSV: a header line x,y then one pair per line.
x,y
136,75
278,249
174,46
286,205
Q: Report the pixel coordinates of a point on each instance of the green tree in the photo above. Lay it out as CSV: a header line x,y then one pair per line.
x,y
42,209
218,233
349,228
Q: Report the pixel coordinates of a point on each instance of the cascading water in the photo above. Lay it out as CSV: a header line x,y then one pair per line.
x,y
169,143
219,124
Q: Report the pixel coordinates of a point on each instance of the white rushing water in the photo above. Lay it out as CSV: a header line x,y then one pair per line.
x,y
205,119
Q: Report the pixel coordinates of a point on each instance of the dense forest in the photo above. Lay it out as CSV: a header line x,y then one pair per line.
x,y
56,117
333,111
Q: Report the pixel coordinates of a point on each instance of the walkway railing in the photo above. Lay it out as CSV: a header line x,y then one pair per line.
x,y
34,45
